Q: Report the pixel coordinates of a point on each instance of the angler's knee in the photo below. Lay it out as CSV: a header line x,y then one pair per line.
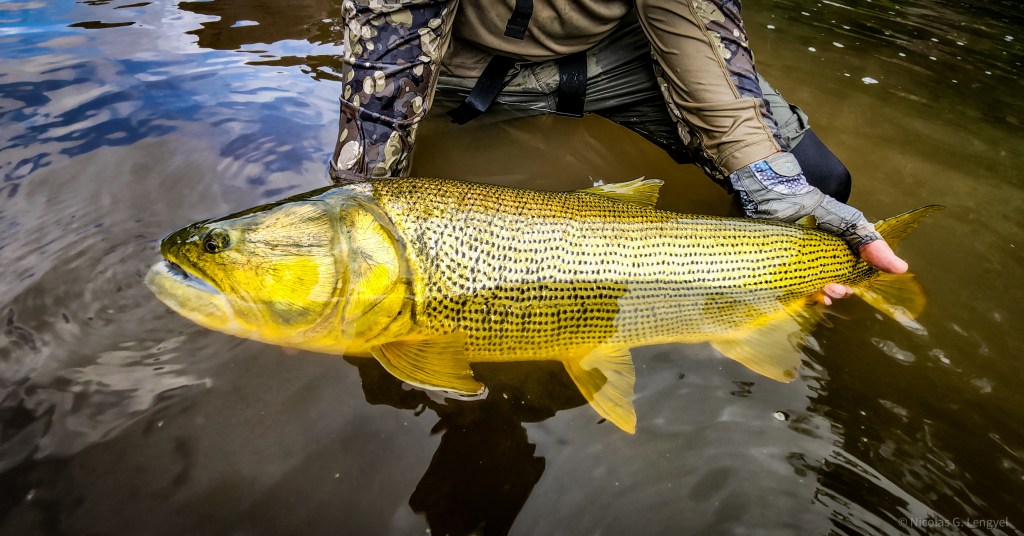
x,y
835,181
822,168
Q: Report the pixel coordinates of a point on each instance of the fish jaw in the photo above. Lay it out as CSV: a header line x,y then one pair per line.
x,y
191,296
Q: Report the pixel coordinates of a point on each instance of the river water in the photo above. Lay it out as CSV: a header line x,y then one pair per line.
x,y
122,121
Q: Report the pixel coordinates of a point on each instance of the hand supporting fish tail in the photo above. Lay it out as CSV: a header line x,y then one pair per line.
x,y
776,189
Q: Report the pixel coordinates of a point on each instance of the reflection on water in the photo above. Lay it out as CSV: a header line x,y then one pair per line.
x,y
483,439
120,121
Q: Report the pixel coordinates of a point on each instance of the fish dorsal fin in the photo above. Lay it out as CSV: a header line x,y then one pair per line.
x,y
808,221
605,377
772,348
896,228
900,296
437,363
640,191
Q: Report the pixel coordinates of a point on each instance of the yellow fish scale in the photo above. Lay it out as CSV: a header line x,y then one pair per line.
x,y
533,275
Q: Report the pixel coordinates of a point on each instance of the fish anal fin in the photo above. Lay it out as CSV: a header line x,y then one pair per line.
x,y
436,363
899,296
772,348
640,191
605,377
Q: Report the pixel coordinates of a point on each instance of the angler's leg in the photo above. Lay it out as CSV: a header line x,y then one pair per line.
x,y
390,62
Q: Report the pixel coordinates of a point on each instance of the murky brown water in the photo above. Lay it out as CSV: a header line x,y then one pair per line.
x,y
121,121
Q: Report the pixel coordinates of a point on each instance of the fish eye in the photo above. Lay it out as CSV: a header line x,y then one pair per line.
x,y
215,241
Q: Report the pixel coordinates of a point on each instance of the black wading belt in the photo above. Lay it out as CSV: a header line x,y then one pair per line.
x,y
572,75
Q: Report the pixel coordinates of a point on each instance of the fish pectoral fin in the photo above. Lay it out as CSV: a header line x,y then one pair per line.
x,y
437,363
900,296
640,191
772,348
605,377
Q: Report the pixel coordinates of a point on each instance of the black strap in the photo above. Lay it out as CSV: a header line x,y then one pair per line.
x,y
572,76
520,19
492,80
572,84
487,87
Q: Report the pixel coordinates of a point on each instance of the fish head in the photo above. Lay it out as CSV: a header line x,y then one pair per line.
x,y
322,271
270,273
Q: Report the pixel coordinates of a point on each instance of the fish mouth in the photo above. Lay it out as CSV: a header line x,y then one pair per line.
x,y
190,296
181,275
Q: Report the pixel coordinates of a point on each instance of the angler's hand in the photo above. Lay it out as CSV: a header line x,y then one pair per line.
x,y
880,256
775,188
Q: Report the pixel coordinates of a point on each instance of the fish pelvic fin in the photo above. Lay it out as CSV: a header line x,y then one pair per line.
x,y
642,191
605,377
436,363
896,228
899,296
773,347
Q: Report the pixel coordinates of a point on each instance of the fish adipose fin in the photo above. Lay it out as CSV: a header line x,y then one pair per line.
x,y
605,377
772,348
640,191
437,363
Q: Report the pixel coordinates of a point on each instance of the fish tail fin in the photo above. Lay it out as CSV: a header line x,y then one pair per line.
x,y
900,296
894,229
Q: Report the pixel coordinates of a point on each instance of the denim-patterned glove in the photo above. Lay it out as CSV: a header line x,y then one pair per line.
x,y
775,188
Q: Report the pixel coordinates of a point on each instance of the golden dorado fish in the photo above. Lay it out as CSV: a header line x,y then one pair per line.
x,y
428,276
